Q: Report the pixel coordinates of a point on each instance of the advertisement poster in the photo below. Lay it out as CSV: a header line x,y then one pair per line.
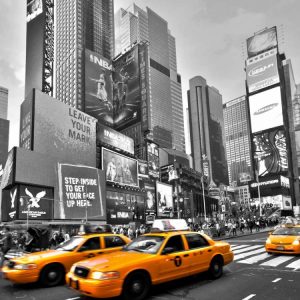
x,y
37,202
98,87
262,72
126,90
150,203
109,136
164,196
34,8
9,204
263,41
266,110
82,192
143,171
271,152
153,159
119,168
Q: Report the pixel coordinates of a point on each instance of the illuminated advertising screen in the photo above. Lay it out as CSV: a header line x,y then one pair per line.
x,y
63,131
143,171
270,151
153,159
126,90
34,8
35,201
262,72
98,87
9,204
263,41
266,110
150,203
164,197
82,192
119,168
115,139
26,125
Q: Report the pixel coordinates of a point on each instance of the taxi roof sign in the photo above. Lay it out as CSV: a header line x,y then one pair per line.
x,y
170,225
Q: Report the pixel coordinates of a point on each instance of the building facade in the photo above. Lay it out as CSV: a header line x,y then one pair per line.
x,y
4,128
80,25
165,105
207,130
238,142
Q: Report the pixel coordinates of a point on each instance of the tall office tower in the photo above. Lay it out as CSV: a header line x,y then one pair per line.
x,y
238,142
4,128
207,130
80,25
165,108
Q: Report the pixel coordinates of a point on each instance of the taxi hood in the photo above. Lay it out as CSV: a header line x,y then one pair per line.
x,y
33,257
114,260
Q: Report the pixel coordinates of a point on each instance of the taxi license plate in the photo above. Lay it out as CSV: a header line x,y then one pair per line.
x,y
74,284
280,248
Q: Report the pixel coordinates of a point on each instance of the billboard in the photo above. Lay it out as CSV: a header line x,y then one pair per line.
x,y
63,131
119,168
143,171
9,204
26,125
126,90
262,71
115,139
270,151
262,41
164,197
150,203
34,8
153,159
81,193
98,87
266,110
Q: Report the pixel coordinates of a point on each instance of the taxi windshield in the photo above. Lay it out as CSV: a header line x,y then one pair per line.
x,y
71,244
287,231
145,244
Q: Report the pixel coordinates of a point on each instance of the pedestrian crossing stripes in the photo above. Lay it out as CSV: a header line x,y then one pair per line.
x,y
256,254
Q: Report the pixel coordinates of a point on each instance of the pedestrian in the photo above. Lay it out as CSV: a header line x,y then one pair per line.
x,y
6,244
234,224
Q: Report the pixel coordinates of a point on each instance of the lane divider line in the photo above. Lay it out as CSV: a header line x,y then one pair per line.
x,y
277,279
249,297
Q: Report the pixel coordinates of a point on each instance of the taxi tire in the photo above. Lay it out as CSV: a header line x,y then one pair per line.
x,y
216,268
138,277
56,270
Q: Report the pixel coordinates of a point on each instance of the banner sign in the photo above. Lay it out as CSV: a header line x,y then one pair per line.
x,y
153,159
81,193
150,203
164,196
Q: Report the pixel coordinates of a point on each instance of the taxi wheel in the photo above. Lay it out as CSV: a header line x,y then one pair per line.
x,y
52,275
136,286
216,268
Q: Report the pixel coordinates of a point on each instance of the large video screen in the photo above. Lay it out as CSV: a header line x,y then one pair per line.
x,y
164,197
262,72
119,168
82,192
271,152
266,110
98,87
126,90
262,41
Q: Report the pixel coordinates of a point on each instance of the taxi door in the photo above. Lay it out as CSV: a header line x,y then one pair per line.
x,y
200,252
174,261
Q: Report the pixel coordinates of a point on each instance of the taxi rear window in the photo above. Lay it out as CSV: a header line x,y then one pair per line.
x,y
287,231
196,241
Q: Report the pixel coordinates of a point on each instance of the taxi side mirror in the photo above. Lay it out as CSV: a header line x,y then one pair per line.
x,y
168,250
270,232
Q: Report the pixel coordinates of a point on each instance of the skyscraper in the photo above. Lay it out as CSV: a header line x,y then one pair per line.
x,y
80,25
207,130
3,102
238,142
165,107
4,128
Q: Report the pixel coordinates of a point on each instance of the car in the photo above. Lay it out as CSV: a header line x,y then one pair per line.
x,y
169,252
285,239
49,267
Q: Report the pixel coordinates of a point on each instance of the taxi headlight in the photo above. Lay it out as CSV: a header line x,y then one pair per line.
x,y
268,241
105,275
296,243
25,267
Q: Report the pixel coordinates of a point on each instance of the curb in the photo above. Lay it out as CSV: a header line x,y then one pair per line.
x,y
241,235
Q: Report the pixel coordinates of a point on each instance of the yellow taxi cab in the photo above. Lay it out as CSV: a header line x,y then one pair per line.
x,y
49,267
169,252
284,239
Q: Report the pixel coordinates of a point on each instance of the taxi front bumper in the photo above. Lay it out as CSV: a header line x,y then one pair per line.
x,y
20,276
95,288
275,248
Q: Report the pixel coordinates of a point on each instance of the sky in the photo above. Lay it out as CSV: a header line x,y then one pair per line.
x,y
210,42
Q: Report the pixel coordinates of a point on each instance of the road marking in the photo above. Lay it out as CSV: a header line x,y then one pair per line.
x,y
254,259
247,249
277,261
249,297
277,279
73,298
238,247
294,265
243,255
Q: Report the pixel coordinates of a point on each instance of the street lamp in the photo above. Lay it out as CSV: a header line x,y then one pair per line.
x,y
203,195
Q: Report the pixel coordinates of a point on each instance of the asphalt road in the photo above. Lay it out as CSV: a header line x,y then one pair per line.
x,y
253,275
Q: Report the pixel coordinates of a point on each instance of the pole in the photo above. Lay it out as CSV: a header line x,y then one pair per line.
x,y
258,187
203,194
27,217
